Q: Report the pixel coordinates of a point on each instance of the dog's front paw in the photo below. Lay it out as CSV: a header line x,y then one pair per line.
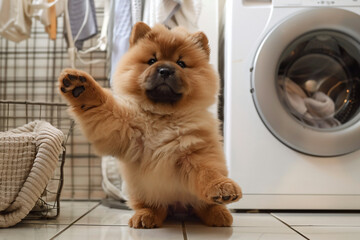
x,y
215,216
223,191
145,218
80,89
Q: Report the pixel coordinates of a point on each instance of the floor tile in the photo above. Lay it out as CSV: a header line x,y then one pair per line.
x,y
320,219
79,232
30,231
330,233
102,215
255,219
241,233
69,212
244,220
245,226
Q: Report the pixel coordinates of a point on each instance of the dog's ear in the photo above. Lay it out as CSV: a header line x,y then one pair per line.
x,y
139,31
202,41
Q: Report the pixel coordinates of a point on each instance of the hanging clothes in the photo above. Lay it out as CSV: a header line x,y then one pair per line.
x,y
121,29
16,16
83,26
47,11
83,23
136,11
173,13
51,28
15,20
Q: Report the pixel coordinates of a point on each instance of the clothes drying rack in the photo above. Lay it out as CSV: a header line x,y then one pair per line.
x,y
28,91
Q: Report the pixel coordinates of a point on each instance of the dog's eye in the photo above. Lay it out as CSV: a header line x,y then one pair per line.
x,y
181,64
152,61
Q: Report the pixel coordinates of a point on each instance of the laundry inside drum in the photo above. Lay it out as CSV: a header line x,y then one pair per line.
x,y
318,80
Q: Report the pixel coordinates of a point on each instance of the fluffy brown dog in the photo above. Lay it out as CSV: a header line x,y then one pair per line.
x,y
158,125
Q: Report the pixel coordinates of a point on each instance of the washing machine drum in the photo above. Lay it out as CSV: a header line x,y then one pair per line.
x,y
318,79
312,102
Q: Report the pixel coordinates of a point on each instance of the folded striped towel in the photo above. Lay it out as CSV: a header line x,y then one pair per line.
x,y
28,158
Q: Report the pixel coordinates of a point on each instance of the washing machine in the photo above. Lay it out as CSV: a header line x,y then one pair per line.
x,y
292,103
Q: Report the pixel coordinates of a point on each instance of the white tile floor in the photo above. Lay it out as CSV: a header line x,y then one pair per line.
x,y
91,220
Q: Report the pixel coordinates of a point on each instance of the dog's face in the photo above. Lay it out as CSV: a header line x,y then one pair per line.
x,y
163,83
167,69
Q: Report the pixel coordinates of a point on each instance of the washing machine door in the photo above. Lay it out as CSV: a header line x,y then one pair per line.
x,y
306,82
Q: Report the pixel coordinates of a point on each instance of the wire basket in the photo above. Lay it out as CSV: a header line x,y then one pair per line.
x,y
14,114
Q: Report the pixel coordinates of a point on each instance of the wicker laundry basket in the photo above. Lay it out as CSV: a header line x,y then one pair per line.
x,y
29,158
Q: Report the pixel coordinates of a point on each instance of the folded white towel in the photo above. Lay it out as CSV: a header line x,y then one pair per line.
x,y
28,158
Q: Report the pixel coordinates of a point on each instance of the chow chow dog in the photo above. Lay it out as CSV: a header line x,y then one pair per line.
x,y
156,122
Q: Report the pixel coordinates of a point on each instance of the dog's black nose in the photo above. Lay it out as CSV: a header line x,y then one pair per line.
x,y
165,72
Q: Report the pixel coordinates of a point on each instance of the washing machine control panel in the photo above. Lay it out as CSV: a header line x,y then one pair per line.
x,y
315,3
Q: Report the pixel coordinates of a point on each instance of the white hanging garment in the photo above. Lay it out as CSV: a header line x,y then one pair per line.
x,y
16,16
15,19
173,13
136,11
121,30
40,10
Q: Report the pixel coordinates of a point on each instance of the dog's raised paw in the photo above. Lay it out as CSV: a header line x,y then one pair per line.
x,y
223,192
80,89
72,83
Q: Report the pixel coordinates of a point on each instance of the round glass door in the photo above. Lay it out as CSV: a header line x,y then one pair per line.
x,y
318,80
305,81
